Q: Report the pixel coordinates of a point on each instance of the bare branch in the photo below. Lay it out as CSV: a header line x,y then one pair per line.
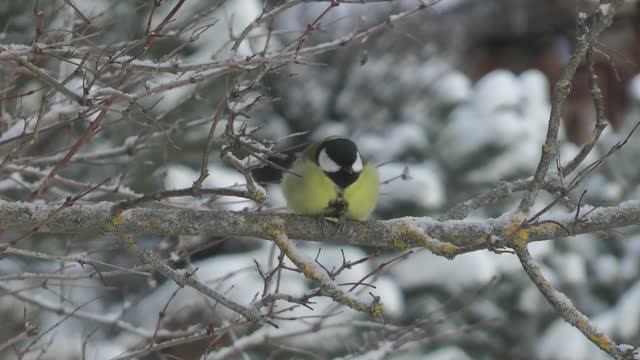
x,y
71,311
566,309
186,279
560,93
327,286
29,331
601,119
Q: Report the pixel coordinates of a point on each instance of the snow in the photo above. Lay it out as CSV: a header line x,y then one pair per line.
x,y
328,339
629,203
606,268
454,87
447,353
329,128
562,341
10,265
607,189
392,297
395,108
534,87
398,140
102,350
276,197
321,277
634,88
604,8
423,187
630,260
55,112
180,176
171,97
331,258
237,274
30,104
540,249
381,351
425,269
498,90
506,113
274,127
626,347
398,91
234,275
571,268
342,18
530,301
69,345
470,132
10,182
521,151
18,47
18,128
231,18
214,43
628,313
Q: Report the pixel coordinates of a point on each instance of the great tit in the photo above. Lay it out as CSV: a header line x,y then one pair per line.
x,y
332,179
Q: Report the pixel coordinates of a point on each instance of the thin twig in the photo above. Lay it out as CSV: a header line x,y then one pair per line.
x,y
323,281
187,280
601,118
560,93
565,308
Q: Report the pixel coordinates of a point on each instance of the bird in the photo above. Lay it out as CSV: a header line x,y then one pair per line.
x,y
332,180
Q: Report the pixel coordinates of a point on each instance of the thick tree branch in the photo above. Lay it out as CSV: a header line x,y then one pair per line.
x,y
446,238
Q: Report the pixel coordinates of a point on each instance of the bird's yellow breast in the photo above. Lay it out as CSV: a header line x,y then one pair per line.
x,y
311,192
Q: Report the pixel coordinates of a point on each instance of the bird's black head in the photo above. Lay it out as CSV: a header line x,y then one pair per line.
x,y
340,160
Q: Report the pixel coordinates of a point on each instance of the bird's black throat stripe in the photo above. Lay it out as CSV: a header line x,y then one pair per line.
x,y
343,178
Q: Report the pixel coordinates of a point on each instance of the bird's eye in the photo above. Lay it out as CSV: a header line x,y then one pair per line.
x,y
326,164
357,165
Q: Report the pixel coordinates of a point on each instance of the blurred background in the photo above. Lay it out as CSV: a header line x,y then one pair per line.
x,y
450,102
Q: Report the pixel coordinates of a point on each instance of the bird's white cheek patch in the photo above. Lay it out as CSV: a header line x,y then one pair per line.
x,y
357,165
326,164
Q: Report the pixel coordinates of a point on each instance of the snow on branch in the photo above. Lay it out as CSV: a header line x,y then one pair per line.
x,y
446,238
98,87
